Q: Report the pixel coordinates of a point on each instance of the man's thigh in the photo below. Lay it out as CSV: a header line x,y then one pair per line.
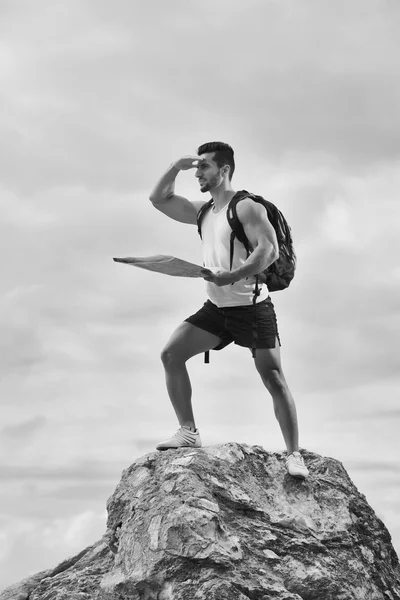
x,y
212,319
188,340
268,359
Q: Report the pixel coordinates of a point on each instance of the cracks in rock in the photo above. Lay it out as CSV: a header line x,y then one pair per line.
x,y
113,541
209,562
189,566
337,541
239,507
258,593
309,546
338,485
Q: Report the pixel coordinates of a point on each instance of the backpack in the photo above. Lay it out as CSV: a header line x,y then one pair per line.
x,y
281,272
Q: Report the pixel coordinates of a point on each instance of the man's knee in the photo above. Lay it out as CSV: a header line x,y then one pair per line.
x,y
273,378
172,355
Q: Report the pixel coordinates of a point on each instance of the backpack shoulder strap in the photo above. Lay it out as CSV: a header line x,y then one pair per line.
x,y
236,225
201,214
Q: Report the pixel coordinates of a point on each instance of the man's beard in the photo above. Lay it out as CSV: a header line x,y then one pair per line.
x,y
208,185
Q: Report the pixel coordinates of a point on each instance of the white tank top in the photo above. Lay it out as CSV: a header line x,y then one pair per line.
x,y
216,233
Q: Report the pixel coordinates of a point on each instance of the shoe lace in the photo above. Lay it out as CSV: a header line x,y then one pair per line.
x,y
297,458
181,434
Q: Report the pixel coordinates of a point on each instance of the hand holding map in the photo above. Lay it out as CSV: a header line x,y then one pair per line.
x,y
161,263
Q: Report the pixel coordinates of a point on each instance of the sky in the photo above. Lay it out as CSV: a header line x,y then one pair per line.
x,y
97,99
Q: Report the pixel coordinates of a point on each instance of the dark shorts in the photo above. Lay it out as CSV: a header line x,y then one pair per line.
x,y
237,324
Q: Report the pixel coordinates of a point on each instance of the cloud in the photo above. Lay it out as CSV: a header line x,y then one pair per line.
x,y
24,429
392,469
93,470
72,532
88,90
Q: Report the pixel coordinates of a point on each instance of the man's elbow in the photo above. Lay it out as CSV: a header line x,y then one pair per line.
x,y
275,252
270,253
156,199
272,250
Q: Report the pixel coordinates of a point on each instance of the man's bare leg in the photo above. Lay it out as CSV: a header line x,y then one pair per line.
x,y
268,364
186,341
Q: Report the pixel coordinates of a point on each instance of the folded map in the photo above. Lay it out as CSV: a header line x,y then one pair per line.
x,y
161,263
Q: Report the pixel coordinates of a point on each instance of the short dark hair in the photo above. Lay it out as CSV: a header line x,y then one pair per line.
x,y
223,154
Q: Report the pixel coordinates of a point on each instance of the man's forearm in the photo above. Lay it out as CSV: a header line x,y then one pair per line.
x,y
165,187
258,261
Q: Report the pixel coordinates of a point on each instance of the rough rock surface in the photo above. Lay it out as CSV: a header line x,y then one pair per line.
x,y
228,523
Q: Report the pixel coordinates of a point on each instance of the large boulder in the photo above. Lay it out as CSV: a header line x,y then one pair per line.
x,y
228,522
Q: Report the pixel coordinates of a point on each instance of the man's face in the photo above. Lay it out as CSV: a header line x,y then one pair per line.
x,y
208,172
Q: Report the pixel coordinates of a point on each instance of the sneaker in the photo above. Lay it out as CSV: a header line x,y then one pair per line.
x,y
183,438
295,465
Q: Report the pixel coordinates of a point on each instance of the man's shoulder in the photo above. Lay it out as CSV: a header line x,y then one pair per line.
x,y
248,207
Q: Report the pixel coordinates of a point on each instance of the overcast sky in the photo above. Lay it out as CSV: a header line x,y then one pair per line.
x,y
97,99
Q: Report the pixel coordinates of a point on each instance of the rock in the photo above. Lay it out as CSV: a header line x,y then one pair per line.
x,y
227,522
76,577
21,590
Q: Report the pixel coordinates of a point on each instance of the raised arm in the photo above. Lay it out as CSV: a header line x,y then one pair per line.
x,y
163,196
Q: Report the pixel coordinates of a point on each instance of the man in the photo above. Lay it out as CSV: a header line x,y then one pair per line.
x,y
228,315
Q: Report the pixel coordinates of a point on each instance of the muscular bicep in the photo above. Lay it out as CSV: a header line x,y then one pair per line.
x,y
256,225
180,209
